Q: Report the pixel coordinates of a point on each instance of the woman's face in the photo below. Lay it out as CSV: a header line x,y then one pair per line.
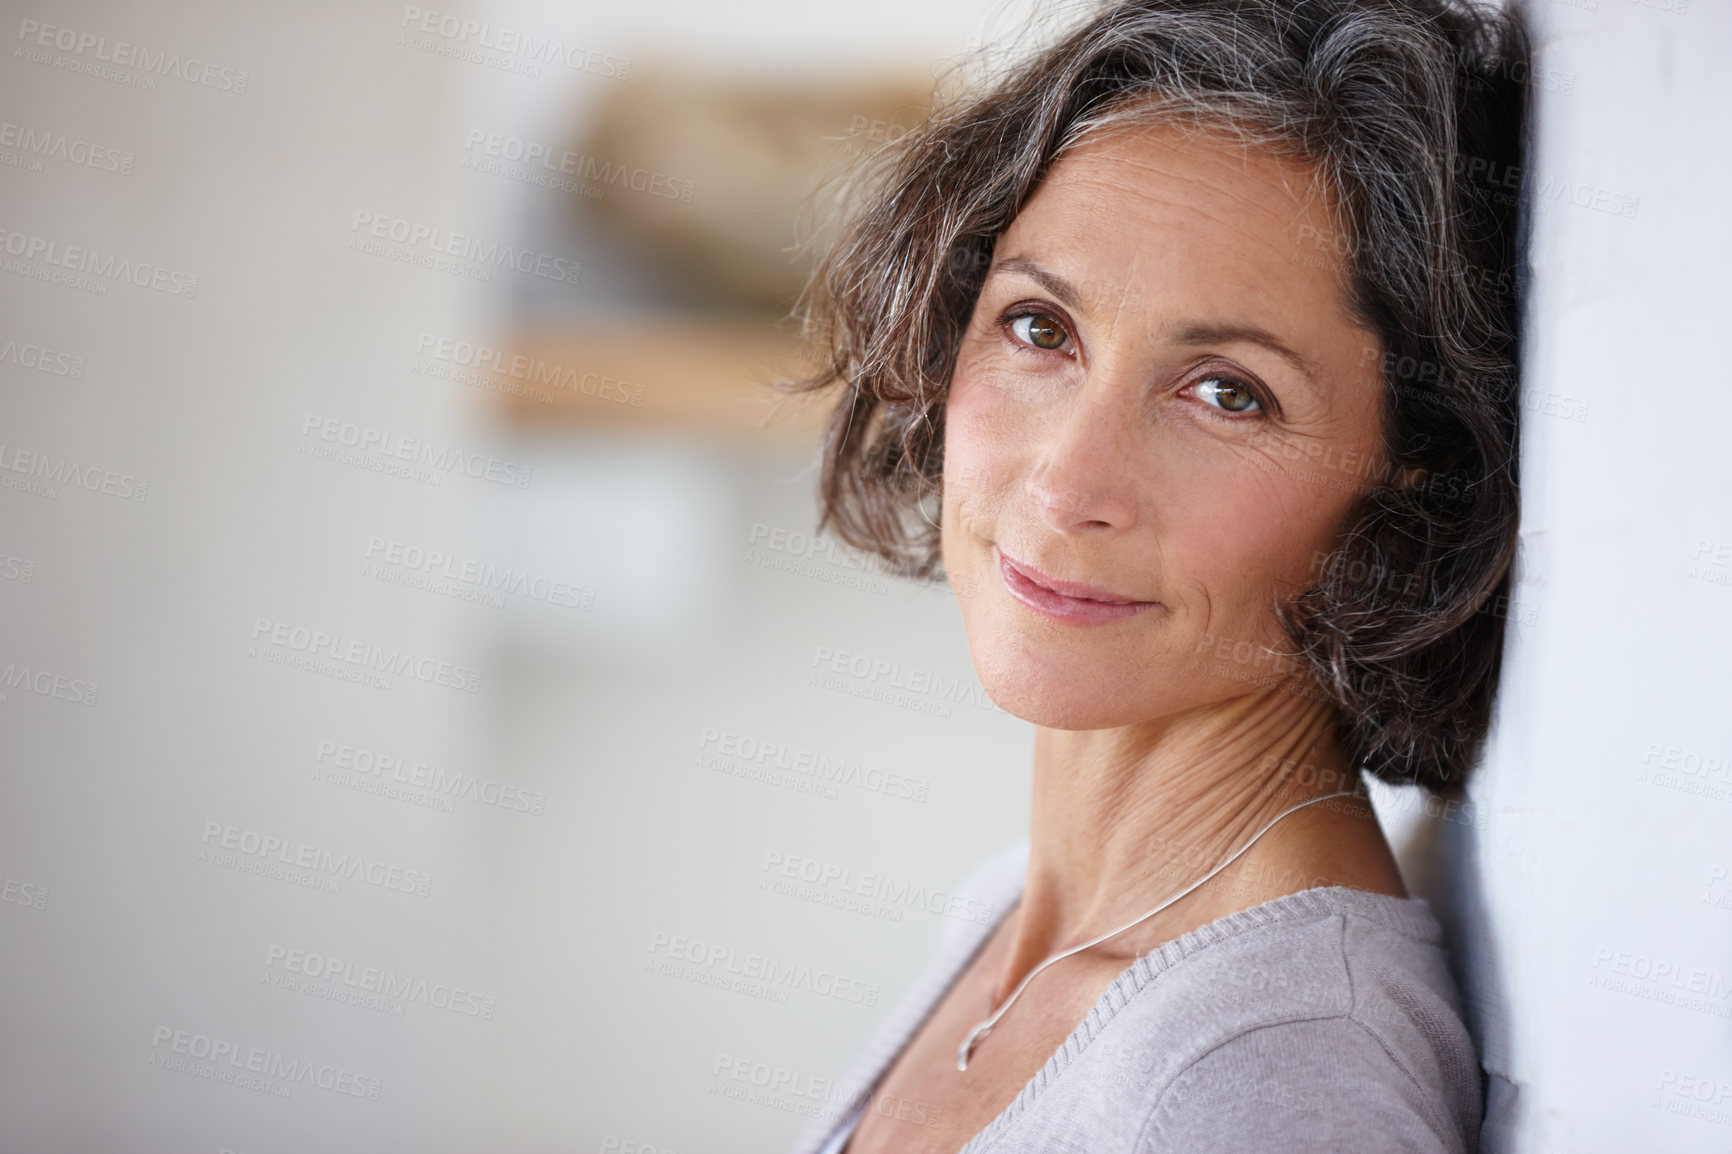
x,y
1161,399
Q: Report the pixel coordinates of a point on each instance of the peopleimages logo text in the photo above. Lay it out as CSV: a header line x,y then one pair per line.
x,y
317,859
42,360
45,143
54,471
367,439
122,54
230,1058
480,574
364,654
462,246
104,266
516,42
379,980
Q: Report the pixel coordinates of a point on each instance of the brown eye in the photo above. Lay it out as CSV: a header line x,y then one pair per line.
x,y
1039,330
1228,394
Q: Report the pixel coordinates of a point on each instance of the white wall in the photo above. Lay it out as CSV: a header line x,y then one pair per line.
x,y
250,185
1588,883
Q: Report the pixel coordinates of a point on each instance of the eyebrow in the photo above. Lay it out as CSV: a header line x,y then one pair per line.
x,y
1201,333
1048,280
1189,333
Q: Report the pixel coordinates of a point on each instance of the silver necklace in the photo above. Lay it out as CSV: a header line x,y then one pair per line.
x,y
985,1027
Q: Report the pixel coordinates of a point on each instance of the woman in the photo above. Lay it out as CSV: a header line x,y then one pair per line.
x,y
1198,331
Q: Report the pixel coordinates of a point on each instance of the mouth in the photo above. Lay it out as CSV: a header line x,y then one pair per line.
x,y
1069,601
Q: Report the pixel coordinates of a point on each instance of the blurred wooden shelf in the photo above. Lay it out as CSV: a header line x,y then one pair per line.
x,y
705,376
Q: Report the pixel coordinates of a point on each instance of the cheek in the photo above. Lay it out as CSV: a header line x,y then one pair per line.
x,y
1248,534
981,439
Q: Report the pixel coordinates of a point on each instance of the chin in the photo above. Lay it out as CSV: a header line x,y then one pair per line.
x,y
1058,694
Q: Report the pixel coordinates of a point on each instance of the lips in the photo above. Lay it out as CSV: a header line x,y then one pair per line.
x,y
1069,601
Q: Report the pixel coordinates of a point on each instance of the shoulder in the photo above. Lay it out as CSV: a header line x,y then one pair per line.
x,y
1303,1087
1324,1020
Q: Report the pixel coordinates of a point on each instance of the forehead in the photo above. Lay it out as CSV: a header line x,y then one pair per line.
x,y
1138,211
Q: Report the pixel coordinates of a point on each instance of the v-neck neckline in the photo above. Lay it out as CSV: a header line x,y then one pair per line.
x,y
1409,915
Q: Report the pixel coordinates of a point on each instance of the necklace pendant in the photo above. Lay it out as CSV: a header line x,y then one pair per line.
x,y
968,1043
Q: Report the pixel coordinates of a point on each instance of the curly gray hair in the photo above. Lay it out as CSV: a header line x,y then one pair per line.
x,y
1402,108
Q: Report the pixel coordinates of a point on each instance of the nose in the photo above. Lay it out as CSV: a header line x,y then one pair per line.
x,y
1083,479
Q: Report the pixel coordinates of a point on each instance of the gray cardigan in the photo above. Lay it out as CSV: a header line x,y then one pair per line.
x,y
1321,1021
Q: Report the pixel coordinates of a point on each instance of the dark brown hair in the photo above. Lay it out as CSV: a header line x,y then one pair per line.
x,y
1403,107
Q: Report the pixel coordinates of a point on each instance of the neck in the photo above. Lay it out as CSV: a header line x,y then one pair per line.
x,y
1126,818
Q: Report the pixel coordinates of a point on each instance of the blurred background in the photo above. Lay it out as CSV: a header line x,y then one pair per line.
x,y
420,672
